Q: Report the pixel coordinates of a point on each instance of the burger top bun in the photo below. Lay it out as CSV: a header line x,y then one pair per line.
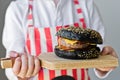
x,y
80,34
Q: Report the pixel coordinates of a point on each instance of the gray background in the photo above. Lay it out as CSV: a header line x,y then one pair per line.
x,y
110,13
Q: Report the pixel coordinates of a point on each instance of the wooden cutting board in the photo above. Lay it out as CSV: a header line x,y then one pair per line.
x,y
53,62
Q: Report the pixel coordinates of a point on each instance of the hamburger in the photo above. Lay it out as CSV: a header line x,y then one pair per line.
x,y
78,43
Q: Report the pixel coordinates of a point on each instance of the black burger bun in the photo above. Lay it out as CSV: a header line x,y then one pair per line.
x,y
78,43
86,53
80,34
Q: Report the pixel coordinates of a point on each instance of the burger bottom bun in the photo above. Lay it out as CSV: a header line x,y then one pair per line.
x,y
86,53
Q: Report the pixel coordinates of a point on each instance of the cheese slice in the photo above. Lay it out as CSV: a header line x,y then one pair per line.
x,y
70,41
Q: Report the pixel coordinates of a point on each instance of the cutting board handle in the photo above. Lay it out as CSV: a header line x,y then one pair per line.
x,y
6,62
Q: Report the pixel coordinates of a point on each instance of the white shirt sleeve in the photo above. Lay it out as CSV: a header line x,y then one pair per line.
x,y
10,75
13,33
13,38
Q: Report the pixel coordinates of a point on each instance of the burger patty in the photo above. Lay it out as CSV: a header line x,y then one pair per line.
x,y
72,44
87,53
65,44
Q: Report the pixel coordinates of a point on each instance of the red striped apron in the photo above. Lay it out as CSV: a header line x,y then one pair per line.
x,y
40,40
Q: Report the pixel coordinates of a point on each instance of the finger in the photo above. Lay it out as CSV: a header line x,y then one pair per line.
x,y
24,66
30,66
13,54
109,51
17,65
113,53
105,51
37,66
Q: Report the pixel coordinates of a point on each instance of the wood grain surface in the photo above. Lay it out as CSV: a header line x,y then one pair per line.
x,y
53,62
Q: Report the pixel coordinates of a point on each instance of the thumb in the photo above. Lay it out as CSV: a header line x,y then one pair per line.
x,y
13,54
106,50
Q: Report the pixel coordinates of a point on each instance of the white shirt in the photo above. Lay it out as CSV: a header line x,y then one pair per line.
x,y
46,14
56,2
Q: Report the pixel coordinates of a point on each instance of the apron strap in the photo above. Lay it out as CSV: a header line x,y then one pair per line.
x,y
30,23
30,14
80,14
